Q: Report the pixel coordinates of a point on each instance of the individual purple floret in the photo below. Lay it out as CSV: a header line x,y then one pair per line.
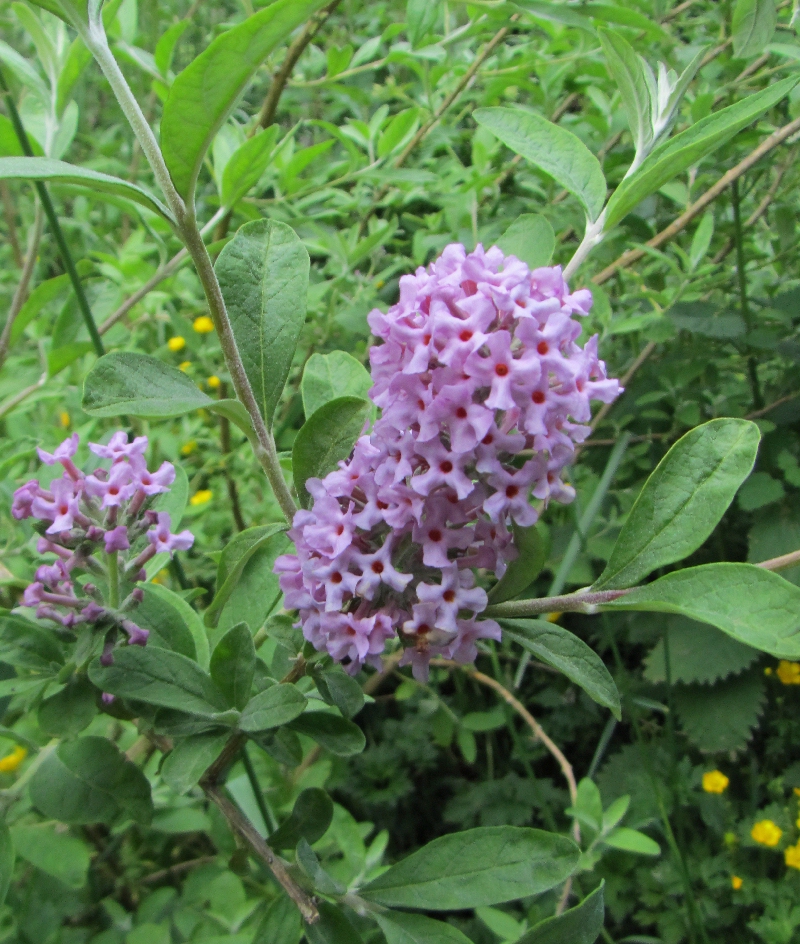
x,y
484,393
99,524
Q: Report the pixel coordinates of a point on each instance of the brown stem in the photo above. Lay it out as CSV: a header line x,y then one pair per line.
x,y
782,562
242,826
175,870
604,410
633,255
581,602
21,292
9,215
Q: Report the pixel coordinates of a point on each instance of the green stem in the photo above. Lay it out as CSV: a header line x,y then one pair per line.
x,y
55,226
113,580
261,801
752,361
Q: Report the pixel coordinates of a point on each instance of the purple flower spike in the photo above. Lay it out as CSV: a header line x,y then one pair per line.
x,y
106,697
136,635
66,450
162,540
117,540
478,364
21,506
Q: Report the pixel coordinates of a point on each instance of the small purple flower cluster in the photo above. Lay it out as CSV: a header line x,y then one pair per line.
x,y
483,393
91,517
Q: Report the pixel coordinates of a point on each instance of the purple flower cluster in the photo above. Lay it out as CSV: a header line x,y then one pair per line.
x,y
91,523
483,395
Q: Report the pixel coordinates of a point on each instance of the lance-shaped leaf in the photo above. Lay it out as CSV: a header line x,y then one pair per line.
x,y
553,149
564,651
689,147
636,85
475,867
580,925
272,708
531,239
159,677
401,928
203,95
263,274
60,172
326,438
246,165
753,605
753,24
6,861
336,734
683,500
233,665
524,569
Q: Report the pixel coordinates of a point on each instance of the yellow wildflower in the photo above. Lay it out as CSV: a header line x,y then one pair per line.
x,y
63,418
185,366
788,672
379,284
214,382
714,781
201,497
797,791
736,883
766,833
177,343
10,763
161,576
188,447
203,325
768,670
792,856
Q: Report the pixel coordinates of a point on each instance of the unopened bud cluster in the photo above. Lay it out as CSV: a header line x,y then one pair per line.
x,y
483,393
98,526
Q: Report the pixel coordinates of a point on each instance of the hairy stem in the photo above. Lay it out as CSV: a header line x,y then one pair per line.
x,y
744,304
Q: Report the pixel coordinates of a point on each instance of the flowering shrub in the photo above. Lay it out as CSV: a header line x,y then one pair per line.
x,y
101,525
483,394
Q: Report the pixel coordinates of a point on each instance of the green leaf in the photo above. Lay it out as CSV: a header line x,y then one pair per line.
x,y
233,665
235,555
59,172
307,860
139,385
531,239
310,818
328,376
333,927
483,866
281,923
566,652
689,646
190,758
159,677
553,149
753,26
556,13
165,47
523,570
421,19
69,711
636,86
257,591
246,165
181,613
631,840
580,925
683,500
401,928
58,854
272,708
338,735
402,125
203,95
6,861
690,147
28,645
341,690
750,604
160,614
90,781
263,274
724,716
327,437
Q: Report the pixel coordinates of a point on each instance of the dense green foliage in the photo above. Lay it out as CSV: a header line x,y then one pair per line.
x,y
387,131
